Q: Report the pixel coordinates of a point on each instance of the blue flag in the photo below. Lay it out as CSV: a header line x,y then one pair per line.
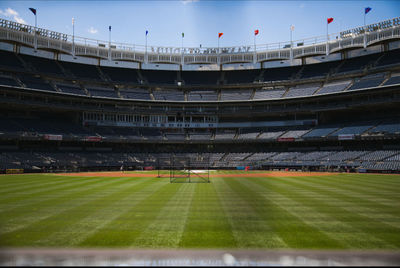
x,y
147,32
33,10
109,28
367,9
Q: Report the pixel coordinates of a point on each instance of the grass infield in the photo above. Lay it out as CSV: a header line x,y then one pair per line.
x,y
333,211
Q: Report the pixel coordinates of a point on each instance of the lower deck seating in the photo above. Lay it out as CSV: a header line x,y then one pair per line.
x,y
265,94
368,81
202,95
8,81
238,94
102,92
302,90
334,87
35,82
372,160
71,89
135,93
168,95
393,80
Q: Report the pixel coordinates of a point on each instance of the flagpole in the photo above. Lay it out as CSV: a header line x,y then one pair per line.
x,y
218,45
291,45
109,43
218,56
255,49
35,45
365,31
73,37
36,31
182,50
145,53
327,38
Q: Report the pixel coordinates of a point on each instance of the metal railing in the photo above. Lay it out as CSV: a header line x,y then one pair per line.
x,y
45,39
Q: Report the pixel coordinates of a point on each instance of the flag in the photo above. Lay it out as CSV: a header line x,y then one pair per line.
x,y
183,35
330,20
367,9
220,34
256,32
109,28
147,32
33,10
292,28
73,21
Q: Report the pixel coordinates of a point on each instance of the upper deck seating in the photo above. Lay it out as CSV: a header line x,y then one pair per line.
x,y
43,65
82,71
201,77
241,77
124,75
159,77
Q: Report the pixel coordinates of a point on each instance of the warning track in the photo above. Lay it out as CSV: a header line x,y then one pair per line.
x,y
233,175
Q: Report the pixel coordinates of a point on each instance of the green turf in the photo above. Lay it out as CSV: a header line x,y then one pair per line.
x,y
341,211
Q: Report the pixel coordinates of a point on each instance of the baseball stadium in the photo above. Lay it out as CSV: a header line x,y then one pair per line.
x,y
280,154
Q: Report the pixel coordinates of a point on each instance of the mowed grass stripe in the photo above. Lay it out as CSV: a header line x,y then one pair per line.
x,y
350,183
207,225
390,179
289,225
24,180
250,229
40,183
302,212
94,215
352,204
19,203
385,199
123,230
367,181
166,230
331,219
31,234
45,207
42,190
367,205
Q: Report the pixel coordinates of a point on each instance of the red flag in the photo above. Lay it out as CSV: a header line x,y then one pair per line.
x,y
220,34
330,20
255,32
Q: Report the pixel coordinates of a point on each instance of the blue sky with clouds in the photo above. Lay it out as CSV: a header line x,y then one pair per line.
x,y
200,20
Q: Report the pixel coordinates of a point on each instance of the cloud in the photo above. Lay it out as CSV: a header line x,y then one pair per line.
x,y
11,13
189,1
92,30
19,20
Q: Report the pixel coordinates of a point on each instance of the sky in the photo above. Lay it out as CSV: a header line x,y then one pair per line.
x,y
199,20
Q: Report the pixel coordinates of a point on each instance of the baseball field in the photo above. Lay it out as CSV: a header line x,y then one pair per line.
x,y
237,210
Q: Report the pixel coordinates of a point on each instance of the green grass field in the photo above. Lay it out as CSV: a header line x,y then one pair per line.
x,y
342,211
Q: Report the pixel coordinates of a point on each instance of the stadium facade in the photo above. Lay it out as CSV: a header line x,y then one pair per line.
x,y
72,103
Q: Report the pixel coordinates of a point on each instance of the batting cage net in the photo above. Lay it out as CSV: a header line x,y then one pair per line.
x,y
189,169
